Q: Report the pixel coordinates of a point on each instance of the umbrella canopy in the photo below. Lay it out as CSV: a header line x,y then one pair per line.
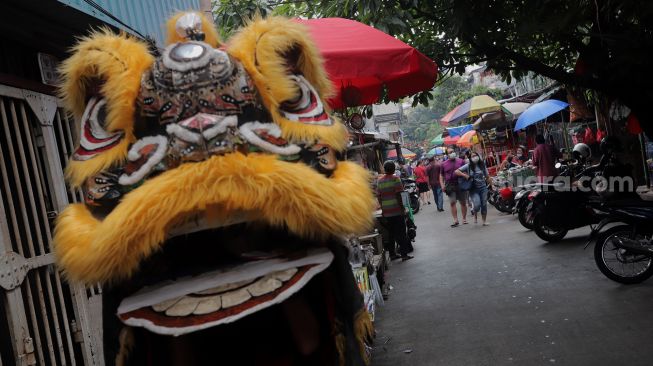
x,y
438,140
488,121
472,107
407,154
360,60
451,140
435,151
460,130
444,121
468,139
538,112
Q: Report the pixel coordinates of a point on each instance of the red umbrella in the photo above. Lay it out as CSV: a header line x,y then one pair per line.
x,y
449,140
361,59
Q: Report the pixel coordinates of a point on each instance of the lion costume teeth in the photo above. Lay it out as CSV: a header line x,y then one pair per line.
x,y
191,146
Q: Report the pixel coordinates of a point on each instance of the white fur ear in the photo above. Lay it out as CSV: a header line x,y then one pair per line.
x,y
161,143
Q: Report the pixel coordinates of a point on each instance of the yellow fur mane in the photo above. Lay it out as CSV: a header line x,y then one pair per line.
x,y
273,192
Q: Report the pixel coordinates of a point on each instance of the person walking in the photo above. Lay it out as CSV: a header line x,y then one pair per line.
x,y
388,192
544,157
449,180
477,172
422,183
434,173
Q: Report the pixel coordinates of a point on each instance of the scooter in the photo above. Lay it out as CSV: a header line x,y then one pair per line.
x,y
410,186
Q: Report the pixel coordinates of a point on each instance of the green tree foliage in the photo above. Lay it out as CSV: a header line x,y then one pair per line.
x,y
601,45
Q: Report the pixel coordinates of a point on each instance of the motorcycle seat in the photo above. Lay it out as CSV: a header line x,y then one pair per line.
x,y
640,213
628,202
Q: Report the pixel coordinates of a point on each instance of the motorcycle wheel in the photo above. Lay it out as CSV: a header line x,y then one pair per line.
x,y
525,216
618,264
414,203
503,206
547,233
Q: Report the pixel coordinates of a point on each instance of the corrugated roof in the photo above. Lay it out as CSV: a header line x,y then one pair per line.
x,y
145,16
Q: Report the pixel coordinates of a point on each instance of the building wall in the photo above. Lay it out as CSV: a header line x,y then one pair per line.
x,y
146,16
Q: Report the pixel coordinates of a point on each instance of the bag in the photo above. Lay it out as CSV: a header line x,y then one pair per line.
x,y
465,184
450,188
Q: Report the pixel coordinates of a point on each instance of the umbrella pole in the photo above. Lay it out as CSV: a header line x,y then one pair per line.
x,y
564,131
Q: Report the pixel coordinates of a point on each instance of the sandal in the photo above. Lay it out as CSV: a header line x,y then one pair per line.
x,y
455,224
465,222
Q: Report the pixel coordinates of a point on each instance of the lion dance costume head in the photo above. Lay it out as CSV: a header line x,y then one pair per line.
x,y
215,199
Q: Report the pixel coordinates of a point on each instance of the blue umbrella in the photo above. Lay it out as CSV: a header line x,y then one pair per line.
x,y
538,112
460,130
435,151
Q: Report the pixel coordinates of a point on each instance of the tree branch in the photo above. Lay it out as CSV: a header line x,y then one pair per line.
x,y
530,64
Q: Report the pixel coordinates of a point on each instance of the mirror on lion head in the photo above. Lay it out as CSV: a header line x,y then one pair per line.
x,y
215,198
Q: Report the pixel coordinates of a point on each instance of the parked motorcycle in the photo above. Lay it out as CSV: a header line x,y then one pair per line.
x,y
410,186
524,205
501,195
624,253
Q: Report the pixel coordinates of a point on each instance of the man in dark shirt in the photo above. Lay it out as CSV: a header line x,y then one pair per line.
x,y
434,171
544,158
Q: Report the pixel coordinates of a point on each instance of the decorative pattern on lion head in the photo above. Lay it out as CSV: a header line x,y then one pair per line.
x,y
214,198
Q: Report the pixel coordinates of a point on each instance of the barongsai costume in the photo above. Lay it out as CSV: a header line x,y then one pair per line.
x,y
215,200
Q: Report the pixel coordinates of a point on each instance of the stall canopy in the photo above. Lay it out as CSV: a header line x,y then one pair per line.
x,y
488,121
472,107
538,112
468,139
438,140
435,151
407,154
361,60
460,130
451,140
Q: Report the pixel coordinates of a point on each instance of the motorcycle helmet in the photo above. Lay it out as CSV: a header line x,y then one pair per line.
x,y
582,151
610,144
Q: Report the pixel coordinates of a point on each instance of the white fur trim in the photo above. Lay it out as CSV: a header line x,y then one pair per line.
x,y
134,154
247,130
176,130
220,127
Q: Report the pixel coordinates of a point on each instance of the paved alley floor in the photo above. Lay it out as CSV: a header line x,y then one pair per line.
x,y
499,295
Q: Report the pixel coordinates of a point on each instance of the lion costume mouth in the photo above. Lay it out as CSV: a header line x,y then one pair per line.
x,y
186,305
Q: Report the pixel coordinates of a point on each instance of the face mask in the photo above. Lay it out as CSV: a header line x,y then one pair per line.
x,y
452,155
475,159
